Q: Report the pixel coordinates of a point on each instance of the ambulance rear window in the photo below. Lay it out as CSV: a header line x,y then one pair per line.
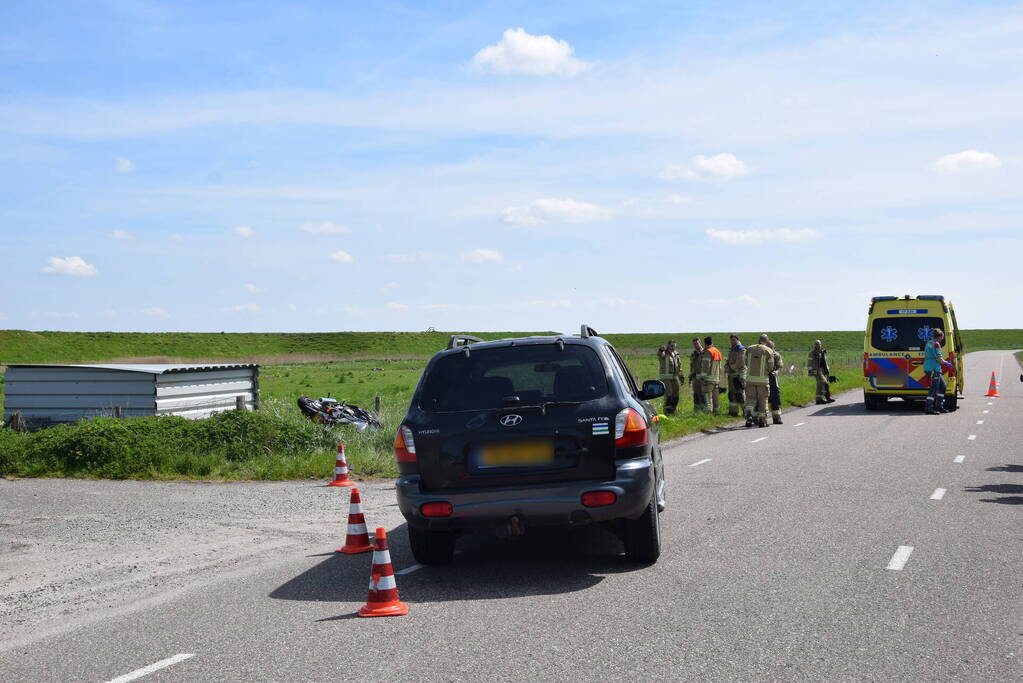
x,y
902,334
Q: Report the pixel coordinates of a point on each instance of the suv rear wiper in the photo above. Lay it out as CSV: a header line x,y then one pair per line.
x,y
542,407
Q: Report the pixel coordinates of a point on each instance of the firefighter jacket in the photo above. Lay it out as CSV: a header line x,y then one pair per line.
x,y
710,365
777,362
735,366
759,363
694,364
670,364
817,362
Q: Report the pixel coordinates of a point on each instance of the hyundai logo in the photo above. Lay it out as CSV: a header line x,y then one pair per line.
x,y
511,420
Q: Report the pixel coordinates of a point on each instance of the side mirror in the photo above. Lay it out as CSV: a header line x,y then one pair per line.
x,y
652,388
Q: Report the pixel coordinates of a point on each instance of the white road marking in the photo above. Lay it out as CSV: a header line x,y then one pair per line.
x,y
799,424
980,422
971,437
900,558
938,494
959,459
830,413
146,670
409,570
985,412
990,403
699,462
758,440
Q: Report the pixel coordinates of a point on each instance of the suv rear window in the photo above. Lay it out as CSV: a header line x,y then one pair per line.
x,y
902,334
535,373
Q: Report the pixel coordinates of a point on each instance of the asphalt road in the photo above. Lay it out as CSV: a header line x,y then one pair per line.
x,y
842,545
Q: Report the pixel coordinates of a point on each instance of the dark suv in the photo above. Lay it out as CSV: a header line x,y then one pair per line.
x,y
534,431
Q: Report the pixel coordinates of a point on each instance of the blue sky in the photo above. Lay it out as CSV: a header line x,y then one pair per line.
x,y
657,166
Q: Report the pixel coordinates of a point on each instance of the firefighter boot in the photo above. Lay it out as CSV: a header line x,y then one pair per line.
x,y
776,419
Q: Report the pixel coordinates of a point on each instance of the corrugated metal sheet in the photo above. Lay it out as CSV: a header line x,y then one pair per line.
x,y
67,393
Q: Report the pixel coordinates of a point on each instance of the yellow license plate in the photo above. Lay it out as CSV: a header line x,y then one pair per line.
x,y
517,454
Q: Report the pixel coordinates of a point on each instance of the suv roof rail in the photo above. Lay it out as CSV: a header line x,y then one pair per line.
x,y
466,339
586,331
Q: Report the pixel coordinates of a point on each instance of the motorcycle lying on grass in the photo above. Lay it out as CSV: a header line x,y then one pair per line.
x,y
330,411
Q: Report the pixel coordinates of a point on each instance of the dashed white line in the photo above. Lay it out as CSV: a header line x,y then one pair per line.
x,y
758,440
829,413
959,459
971,437
990,403
980,422
409,570
799,424
900,558
146,670
985,412
699,462
938,494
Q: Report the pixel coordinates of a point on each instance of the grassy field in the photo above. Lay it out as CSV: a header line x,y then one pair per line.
x,y
279,443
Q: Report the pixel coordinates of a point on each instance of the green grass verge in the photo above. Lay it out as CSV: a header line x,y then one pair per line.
x,y
279,443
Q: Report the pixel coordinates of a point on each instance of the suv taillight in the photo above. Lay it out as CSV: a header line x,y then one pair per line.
x,y
630,429
404,445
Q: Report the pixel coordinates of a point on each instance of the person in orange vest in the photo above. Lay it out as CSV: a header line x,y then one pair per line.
x,y
710,375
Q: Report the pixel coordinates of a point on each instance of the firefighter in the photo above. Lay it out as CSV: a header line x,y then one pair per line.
x,y
735,372
710,376
695,379
817,366
759,365
671,375
774,390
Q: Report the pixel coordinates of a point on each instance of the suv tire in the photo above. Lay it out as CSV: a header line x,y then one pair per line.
x,y
874,402
642,536
431,547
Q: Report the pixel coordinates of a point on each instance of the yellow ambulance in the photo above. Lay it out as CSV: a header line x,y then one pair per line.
x,y
893,349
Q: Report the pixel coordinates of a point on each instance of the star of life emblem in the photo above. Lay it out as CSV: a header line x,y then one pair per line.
x,y
889,334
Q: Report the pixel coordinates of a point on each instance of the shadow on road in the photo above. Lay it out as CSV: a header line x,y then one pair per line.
x,y
1006,468
544,562
894,407
1005,490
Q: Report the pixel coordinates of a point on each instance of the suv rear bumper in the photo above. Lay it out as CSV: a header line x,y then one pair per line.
x,y
535,505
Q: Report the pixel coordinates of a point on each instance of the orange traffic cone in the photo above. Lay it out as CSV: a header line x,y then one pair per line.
x,y
357,539
383,591
341,468
992,390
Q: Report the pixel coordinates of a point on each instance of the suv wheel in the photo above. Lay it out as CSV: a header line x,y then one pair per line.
x,y
643,536
431,547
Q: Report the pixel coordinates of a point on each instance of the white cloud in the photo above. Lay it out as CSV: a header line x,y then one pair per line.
x,y
72,265
969,161
395,306
677,199
722,166
482,256
175,236
243,231
341,256
56,315
121,235
325,228
748,237
612,301
555,211
406,258
387,286
244,308
125,166
253,289
519,52
155,311
741,299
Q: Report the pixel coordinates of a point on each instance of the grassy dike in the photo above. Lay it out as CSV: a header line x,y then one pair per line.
x,y
279,443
